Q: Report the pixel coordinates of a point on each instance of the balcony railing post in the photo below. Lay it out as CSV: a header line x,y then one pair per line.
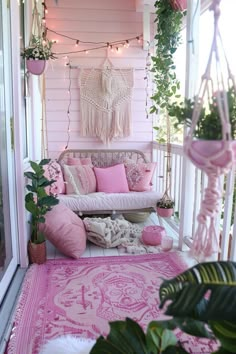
x,y
188,175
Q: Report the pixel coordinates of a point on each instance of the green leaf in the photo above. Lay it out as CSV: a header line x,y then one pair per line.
x,y
124,337
44,162
187,292
37,169
226,333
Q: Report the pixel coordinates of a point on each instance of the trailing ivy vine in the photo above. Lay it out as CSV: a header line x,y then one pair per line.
x,y
168,38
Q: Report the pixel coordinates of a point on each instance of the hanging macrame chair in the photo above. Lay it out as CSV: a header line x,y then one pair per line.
x,y
214,157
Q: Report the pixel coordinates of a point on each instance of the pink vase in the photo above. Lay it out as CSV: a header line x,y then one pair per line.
x,y
36,67
179,5
152,235
165,213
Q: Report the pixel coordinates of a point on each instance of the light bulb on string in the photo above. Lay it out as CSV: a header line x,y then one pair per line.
x,y
77,43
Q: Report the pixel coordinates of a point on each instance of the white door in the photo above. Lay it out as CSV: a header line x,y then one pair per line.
x,y
8,230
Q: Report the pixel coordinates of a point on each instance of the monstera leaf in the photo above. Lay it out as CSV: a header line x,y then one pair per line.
x,y
205,293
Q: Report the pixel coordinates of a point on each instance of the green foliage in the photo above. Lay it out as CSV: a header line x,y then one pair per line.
x,y
37,201
168,38
165,203
209,124
38,49
202,303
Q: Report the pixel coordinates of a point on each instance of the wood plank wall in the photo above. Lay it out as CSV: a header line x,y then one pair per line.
x,y
93,20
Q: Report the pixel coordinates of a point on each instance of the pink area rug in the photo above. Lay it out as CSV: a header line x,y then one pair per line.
x,y
81,297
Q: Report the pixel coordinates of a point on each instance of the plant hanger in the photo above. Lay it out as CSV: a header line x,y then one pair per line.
x,y
214,157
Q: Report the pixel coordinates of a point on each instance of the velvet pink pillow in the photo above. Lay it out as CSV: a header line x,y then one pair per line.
x,y
53,171
139,176
65,230
71,161
111,179
80,179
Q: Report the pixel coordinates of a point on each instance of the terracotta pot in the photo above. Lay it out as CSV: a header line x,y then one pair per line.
x,y
211,155
36,67
165,213
37,252
179,5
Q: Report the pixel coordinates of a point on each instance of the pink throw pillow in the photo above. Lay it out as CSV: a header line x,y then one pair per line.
x,y
139,176
80,179
65,230
71,161
53,171
111,179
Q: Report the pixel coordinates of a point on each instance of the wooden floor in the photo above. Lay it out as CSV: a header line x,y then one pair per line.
x,y
93,250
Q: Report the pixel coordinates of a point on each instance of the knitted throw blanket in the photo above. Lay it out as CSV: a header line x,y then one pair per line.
x,y
105,102
107,233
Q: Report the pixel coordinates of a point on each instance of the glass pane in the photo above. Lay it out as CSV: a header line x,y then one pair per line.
x,y
6,253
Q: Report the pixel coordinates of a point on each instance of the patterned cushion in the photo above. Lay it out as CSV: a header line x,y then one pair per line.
x,y
80,179
53,171
139,176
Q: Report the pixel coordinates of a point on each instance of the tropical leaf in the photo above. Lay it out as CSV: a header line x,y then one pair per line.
x,y
188,292
124,337
44,162
226,333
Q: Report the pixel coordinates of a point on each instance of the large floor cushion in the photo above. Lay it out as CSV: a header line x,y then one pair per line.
x,y
100,201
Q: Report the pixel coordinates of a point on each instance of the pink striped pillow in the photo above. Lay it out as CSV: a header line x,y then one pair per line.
x,y
71,161
139,176
80,179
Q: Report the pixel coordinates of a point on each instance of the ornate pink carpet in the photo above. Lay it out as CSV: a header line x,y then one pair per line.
x,y
81,297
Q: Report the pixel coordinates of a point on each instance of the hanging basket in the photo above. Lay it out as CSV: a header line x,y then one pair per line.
x,y
164,212
37,252
178,5
36,67
214,157
211,156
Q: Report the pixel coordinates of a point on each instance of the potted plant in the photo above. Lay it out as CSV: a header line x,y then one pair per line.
x,y
38,203
37,54
201,302
165,207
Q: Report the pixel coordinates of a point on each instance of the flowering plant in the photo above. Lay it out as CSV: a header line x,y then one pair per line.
x,y
39,49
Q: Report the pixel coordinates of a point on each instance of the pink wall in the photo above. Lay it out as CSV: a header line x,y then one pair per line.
x,y
93,20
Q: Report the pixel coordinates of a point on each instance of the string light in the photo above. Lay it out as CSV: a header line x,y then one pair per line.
x,y
68,108
147,78
99,45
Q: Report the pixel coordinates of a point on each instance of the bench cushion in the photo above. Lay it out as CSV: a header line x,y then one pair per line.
x,y
100,201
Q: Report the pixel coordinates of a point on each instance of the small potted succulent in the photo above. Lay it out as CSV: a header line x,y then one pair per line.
x,y
37,54
165,207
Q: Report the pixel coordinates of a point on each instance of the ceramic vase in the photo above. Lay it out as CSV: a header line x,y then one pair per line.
x,y
165,213
36,67
179,5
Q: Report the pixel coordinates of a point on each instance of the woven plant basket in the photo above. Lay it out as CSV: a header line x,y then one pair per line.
x,y
37,252
136,217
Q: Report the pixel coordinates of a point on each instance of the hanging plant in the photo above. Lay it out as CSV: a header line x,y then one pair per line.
x,y
168,39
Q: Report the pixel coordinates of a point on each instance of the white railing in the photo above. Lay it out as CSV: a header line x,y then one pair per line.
x,y
224,225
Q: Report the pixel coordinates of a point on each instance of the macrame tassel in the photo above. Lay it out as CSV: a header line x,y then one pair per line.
x,y
205,239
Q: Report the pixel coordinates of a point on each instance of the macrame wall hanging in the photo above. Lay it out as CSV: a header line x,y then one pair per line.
x,y
105,102
214,157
